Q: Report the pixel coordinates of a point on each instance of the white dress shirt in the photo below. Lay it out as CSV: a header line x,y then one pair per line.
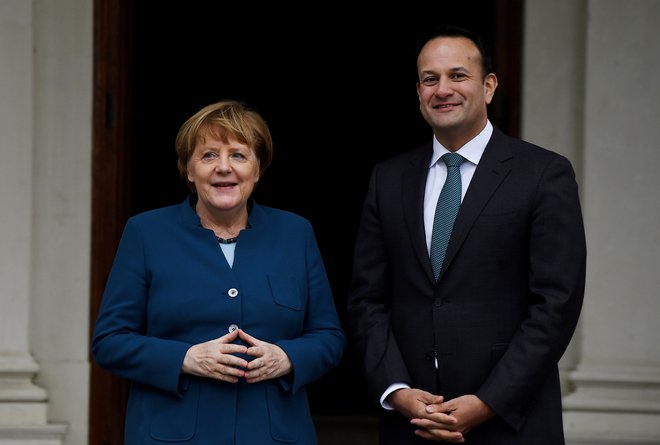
x,y
437,174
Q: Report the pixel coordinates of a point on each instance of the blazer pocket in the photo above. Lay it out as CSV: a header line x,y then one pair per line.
x,y
173,419
285,291
286,411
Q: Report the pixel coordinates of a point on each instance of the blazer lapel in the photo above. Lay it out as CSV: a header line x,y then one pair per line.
x,y
491,171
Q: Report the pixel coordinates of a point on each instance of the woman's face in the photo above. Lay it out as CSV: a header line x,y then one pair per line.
x,y
224,173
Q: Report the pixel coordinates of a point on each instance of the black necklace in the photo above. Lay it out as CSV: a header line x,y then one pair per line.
x,y
227,241
230,240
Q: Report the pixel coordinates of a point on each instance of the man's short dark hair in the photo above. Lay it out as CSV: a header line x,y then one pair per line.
x,y
446,30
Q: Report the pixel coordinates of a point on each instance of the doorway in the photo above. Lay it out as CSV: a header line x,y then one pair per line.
x,y
337,88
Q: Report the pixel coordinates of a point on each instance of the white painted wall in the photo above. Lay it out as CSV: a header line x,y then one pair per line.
x,y
591,91
45,179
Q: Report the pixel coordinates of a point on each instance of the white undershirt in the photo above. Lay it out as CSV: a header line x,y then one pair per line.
x,y
228,250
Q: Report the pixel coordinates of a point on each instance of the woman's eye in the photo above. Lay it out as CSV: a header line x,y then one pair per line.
x,y
238,155
208,155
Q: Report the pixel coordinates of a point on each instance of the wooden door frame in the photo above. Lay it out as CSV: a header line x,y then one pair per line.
x,y
111,149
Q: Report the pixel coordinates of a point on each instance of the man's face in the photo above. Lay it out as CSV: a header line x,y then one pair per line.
x,y
453,92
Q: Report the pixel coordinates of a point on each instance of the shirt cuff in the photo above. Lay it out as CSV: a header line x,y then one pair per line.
x,y
393,387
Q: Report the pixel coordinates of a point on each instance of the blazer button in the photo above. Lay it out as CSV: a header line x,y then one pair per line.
x,y
233,292
232,327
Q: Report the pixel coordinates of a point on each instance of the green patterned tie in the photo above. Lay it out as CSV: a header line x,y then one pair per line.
x,y
446,210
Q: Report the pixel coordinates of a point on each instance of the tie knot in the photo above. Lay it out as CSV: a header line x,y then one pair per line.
x,y
453,159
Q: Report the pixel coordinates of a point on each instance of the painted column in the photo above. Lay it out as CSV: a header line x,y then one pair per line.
x,y
617,380
590,91
553,99
23,405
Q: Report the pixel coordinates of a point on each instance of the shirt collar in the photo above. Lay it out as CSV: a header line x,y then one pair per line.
x,y
471,151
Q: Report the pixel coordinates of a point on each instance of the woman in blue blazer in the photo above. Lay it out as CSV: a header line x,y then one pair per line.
x,y
218,310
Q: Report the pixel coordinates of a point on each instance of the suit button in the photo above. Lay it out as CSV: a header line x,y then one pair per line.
x,y
232,327
233,292
438,302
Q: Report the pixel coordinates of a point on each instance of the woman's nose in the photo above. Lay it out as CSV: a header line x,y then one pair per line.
x,y
222,165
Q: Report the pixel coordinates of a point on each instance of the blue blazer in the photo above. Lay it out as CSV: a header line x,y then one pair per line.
x,y
169,288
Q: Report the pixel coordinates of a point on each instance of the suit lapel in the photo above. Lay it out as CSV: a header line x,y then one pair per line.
x,y
414,181
491,171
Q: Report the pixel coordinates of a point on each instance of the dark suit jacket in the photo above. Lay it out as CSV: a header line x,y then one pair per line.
x,y
507,304
171,287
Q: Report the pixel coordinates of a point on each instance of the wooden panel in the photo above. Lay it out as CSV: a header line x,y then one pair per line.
x,y
110,193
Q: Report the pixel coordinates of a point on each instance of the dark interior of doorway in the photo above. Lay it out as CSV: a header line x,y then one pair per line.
x,y
337,87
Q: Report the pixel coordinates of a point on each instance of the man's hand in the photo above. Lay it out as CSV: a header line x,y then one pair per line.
x,y
468,411
433,425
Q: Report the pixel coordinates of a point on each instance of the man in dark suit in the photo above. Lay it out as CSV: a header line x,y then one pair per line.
x,y
469,354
